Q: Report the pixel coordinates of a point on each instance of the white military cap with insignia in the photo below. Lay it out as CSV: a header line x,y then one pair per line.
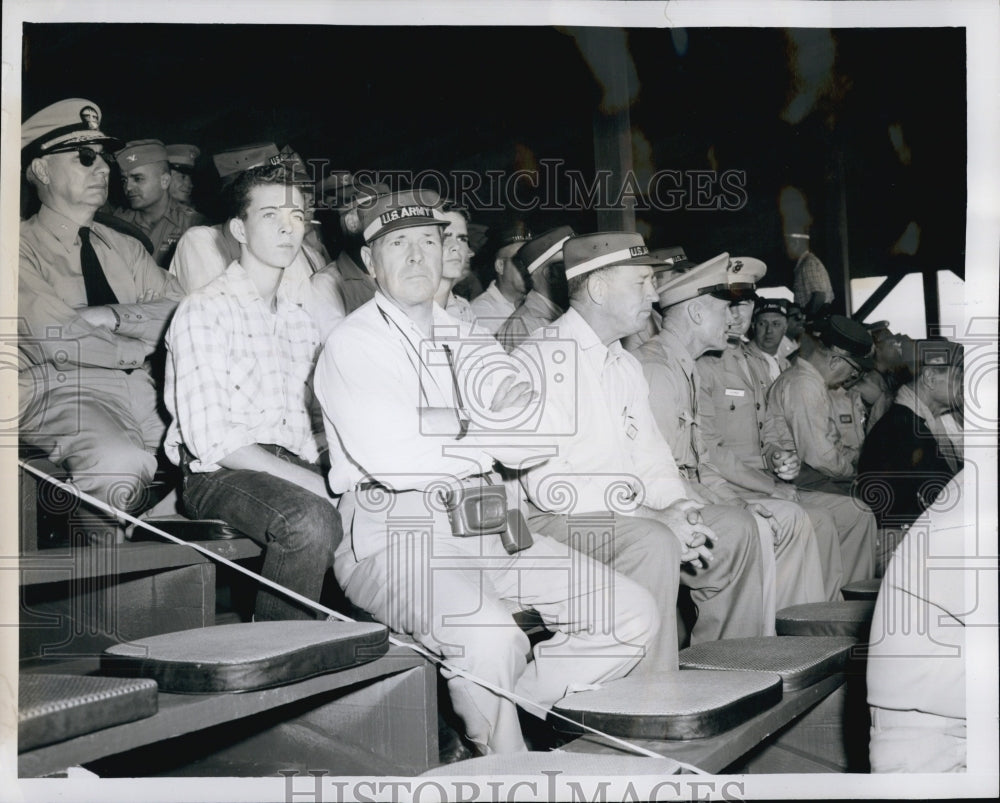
x,y
64,126
731,277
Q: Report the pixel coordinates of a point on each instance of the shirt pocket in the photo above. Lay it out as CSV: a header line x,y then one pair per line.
x,y
247,400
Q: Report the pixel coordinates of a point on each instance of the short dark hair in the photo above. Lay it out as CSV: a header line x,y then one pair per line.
x,y
239,190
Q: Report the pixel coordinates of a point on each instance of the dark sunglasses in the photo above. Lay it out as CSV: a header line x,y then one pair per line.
x,y
86,155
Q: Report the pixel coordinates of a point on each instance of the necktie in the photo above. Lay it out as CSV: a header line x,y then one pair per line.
x,y
99,292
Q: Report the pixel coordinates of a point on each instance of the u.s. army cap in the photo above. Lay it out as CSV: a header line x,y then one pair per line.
x,y
604,249
398,210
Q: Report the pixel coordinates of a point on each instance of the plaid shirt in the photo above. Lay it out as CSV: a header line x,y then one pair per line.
x,y
811,277
238,374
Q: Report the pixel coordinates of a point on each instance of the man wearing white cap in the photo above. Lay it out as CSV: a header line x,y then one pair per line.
x,y
696,304
613,470
413,425
541,259
145,172
93,306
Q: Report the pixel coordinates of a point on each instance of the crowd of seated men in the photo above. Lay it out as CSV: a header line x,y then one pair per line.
x,y
355,413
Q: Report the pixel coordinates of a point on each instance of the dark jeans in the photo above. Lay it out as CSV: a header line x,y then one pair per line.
x,y
298,529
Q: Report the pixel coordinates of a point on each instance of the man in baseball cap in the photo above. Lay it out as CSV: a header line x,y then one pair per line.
x,y
541,259
92,307
408,418
618,464
770,321
145,174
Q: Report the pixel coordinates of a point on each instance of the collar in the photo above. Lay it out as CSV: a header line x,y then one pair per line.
x,y
242,288
62,228
674,348
573,325
442,323
535,300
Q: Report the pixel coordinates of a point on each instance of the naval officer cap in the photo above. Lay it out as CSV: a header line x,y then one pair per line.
x,y
544,248
604,249
182,157
140,152
398,210
731,278
64,126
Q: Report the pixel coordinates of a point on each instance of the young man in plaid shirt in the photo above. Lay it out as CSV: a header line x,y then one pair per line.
x,y
241,356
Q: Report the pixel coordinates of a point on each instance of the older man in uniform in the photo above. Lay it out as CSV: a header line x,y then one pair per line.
x,y
505,293
93,306
837,351
742,440
394,380
145,171
696,305
182,159
614,472
541,259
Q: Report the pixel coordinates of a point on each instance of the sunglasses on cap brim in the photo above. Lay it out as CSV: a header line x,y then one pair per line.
x,y
86,154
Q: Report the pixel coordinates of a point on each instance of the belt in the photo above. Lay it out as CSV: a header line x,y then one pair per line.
x,y
375,485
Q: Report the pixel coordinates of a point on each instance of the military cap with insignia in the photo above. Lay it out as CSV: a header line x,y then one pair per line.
x,y
733,278
141,152
182,157
231,162
545,248
292,161
398,210
604,249
848,338
64,126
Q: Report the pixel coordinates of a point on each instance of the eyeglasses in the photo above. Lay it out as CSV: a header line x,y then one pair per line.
x,y
856,370
86,155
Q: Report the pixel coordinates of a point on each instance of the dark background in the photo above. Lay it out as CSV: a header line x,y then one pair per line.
x,y
440,98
